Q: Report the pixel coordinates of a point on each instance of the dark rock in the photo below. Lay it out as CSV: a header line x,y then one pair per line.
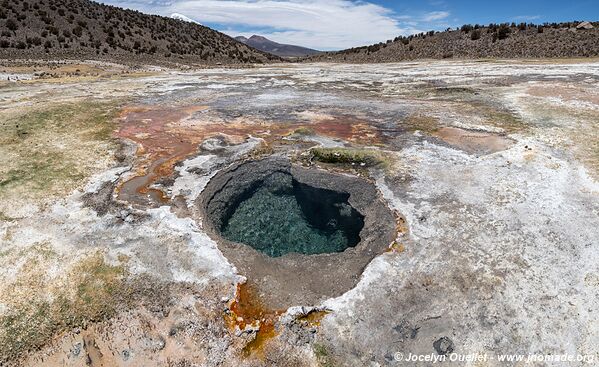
x,y
443,346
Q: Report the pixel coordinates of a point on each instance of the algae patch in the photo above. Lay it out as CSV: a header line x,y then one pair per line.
x,y
50,151
91,291
352,156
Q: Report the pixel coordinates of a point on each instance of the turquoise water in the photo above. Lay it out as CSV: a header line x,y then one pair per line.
x,y
281,216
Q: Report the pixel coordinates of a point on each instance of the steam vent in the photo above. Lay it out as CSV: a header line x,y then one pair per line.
x,y
302,234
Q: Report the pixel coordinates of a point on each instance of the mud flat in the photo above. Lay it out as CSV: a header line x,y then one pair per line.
x,y
460,198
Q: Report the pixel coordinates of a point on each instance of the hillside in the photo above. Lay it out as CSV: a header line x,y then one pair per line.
x,y
278,49
471,42
82,29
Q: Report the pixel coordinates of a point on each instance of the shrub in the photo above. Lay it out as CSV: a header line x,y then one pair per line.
x,y
4,44
503,32
361,157
78,31
12,24
466,28
475,34
36,41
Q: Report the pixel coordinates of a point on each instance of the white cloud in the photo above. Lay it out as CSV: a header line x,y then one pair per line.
x,y
324,25
527,17
435,15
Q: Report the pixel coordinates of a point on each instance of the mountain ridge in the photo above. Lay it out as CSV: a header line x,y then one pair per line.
x,y
83,29
505,40
279,49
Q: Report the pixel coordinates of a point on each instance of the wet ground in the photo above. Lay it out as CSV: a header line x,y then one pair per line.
x,y
490,169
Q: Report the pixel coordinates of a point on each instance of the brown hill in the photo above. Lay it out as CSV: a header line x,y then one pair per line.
x,y
471,42
278,49
82,29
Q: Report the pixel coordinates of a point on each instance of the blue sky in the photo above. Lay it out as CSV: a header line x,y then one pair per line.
x,y
337,24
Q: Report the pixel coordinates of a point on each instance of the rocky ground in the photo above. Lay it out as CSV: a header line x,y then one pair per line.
x,y
490,167
88,30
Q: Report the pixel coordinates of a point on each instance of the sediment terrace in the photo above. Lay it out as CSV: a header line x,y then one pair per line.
x,y
477,183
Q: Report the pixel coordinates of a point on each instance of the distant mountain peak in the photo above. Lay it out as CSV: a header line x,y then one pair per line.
x,y
255,37
183,18
279,49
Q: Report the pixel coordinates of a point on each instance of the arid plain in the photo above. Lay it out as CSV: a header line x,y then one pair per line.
x,y
489,169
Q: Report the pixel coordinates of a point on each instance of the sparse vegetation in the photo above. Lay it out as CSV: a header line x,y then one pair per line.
x,y
11,24
359,157
503,40
81,28
34,163
95,291
322,355
303,131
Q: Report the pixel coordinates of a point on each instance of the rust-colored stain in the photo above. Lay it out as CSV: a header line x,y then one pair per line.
x,y
349,129
313,318
159,146
164,138
473,141
566,93
247,310
401,228
400,225
396,247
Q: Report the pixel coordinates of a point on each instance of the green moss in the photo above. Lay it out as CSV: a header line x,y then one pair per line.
x,y
51,147
5,218
99,289
40,171
506,120
95,118
303,131
42,249
360,157
25,329
322,355
426,124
